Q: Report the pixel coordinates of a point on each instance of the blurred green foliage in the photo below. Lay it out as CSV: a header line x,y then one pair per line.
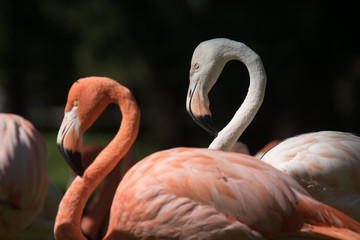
x,y
57,167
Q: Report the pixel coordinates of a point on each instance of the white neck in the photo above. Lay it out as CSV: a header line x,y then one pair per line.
x,y
228,136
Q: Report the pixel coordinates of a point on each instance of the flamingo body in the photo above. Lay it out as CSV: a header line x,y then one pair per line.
x,y
184,193
326,164
190,193
23,174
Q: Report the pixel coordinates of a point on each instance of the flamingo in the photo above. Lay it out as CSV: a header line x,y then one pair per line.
x,y
183,193
23,174
326,163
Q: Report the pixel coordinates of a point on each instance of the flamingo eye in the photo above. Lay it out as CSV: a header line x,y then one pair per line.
x,y
75,103
196,66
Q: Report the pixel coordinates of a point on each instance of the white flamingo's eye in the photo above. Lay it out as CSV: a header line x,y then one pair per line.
x,y
75,103
196,66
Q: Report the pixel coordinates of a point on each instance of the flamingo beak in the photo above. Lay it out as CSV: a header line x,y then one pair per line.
x,y
69,141
197,105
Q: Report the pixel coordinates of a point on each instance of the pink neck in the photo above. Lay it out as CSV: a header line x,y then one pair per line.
x,y
67,225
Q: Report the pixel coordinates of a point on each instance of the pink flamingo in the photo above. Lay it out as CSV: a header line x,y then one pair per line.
x,y
23,174
183,193
327,164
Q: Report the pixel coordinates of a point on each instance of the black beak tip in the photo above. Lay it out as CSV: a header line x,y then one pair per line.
x,y
206,122
73,159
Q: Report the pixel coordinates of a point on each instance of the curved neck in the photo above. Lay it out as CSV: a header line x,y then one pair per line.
x,y
67,225
228,136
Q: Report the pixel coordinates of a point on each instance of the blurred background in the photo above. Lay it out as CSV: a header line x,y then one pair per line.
x,y
311,53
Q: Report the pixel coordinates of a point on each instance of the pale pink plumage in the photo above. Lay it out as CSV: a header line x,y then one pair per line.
x,y
326,164
184,193
190,193
23,174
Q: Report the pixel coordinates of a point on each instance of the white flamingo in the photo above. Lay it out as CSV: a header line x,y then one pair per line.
x,y
327,164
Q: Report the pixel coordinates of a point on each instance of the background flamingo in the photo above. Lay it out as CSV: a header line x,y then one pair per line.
x,y
327,164
183,193
23,174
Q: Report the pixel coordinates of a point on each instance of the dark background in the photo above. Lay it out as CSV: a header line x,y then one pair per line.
x,y
310,52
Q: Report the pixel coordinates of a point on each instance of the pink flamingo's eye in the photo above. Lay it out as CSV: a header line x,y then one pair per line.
x,y
75,103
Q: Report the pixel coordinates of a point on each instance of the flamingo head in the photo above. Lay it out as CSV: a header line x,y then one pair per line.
x,y
207,62
87,99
